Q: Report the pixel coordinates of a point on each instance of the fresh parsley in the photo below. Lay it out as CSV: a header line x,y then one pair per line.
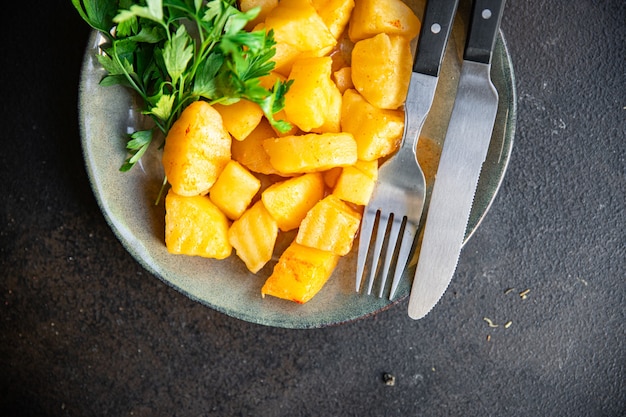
x,y
174,52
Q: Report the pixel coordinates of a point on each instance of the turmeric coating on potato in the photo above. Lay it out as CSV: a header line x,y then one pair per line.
x,y
330,225
311,153
300,273
290,200
349,62
197,148
371,17
195,226
381,69
253,236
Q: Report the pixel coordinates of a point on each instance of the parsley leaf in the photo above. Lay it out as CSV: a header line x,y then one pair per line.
x,y
137,146
153,11
177,53
174,52
98,14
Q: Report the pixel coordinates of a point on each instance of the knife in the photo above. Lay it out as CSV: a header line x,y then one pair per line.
x,y
462,156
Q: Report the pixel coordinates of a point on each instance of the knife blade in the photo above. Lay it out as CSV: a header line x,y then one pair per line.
x,y
464,151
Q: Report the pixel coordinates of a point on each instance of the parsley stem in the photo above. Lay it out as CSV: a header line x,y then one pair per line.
x,y
128,76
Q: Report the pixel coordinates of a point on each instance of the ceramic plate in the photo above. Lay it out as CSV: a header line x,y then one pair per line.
x,y
107,114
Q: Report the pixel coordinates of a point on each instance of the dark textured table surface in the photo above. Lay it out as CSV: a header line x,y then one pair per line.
x,y
85,331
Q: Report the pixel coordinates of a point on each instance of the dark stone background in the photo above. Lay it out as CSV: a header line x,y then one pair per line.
x,y
84,331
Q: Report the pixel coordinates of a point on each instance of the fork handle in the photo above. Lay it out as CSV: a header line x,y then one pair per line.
x,y
483,29
434,34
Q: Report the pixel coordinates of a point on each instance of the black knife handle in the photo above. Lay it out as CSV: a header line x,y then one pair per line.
x,y
483,29
434,34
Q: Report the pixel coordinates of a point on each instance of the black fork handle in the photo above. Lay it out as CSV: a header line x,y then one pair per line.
x,y
434,34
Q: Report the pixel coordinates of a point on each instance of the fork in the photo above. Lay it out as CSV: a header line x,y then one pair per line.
x,y
397,201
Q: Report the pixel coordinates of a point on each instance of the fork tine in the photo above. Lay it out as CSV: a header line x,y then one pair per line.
x,y
367,225
406,244
381,233
396,226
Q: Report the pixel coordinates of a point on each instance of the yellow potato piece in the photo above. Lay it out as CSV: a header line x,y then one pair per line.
x,y
234,189
265,7
371,17
240,118
284,58
330,225
250,153
300,273
289,201
356,183
332,121
369,168
381,69
195,226
378,132
196,150
343,79
313,100
296,23
335,14
312,152
253,236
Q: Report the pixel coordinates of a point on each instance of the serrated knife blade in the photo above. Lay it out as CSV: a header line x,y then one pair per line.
x,y
464,151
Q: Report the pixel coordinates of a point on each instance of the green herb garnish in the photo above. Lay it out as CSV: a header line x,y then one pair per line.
x,y
174,52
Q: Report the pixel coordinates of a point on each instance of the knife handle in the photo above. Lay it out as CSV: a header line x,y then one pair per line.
x,y
483,29
434,34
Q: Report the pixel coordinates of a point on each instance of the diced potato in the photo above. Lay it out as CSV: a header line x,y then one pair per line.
x,y
356,183
371,17
332,121
311,153
343,79
296,22
250,153
335,14
234,189
381,69
350,62
197,148
268,81
330,225
300,273
253,236
378,132
265,7
289,201
313,100
284,57
195,226
369,168
240,118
